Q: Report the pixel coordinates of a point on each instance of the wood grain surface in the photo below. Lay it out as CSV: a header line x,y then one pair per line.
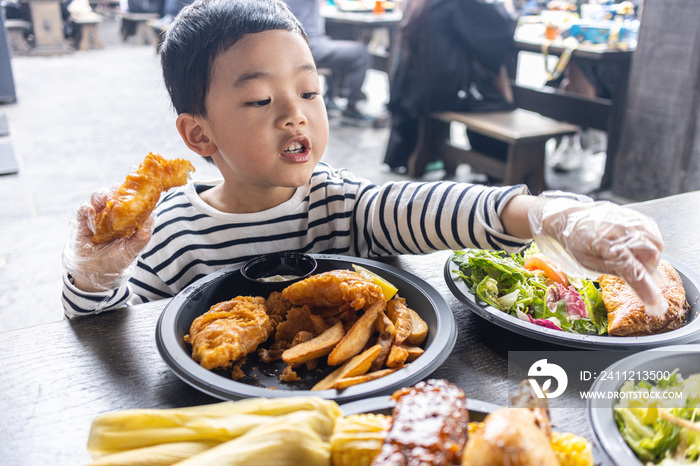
x,y
57,377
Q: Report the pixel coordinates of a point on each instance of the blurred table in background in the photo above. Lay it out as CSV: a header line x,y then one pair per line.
x,y
47,26
599,113
377,30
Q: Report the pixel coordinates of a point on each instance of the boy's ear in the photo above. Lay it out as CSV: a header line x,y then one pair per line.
x,y
193,133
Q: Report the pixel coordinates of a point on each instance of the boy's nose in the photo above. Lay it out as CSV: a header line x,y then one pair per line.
x,y
293,116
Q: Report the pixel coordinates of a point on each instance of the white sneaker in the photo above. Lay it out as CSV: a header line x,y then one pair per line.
x,y
568,155
594,140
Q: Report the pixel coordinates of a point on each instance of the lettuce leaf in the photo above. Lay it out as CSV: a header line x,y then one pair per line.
x,y
500,280
652,437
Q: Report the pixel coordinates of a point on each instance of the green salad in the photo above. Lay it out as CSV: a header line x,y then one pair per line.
x,y
660,426
528,287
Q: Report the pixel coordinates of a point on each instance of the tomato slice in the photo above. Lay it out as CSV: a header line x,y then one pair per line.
x,y
550,271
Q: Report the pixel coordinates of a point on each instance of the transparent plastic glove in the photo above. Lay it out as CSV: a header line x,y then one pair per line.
x,y
592,238
101,267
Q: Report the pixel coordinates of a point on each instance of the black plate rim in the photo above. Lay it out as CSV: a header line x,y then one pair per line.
x,y
381,403
686,334
600,411
222,388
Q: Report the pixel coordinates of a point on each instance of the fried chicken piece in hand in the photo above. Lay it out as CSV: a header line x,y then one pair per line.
x,y
136,198
334,289
228,331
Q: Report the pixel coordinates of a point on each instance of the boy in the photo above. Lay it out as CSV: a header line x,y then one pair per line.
x,y
244,84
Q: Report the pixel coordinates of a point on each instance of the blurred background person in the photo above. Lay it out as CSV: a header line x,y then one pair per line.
x,y
591,81
449,57
348,60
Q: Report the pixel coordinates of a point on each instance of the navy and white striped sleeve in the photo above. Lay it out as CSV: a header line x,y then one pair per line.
x,y
417,218
79,303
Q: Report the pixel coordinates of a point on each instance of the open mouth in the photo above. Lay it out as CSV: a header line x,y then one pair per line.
x,y
297,151
295,148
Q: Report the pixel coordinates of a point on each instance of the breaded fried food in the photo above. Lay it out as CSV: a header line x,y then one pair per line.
x,y
334,289
228,331
429,426
626,313
298,319
509,436
136,198
277,307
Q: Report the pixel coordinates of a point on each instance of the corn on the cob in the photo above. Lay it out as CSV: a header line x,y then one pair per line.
x,y
473,427
572,450
293,439
219,422
357,439
156,455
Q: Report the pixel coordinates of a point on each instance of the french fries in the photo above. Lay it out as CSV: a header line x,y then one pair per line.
x,y
419,329
412,352
346,382
365,346
315,347
397,311
397,356
357,337
386,341
384,324
358,365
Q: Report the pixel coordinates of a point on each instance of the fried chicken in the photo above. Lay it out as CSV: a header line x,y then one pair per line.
x,y
228,331
509,436
334,289
136,198
626,313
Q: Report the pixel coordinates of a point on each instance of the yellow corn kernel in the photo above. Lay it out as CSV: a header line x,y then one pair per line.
x,y
358,439
572,450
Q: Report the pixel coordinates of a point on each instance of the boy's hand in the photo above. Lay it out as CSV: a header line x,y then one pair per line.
x,y
100,267
589,239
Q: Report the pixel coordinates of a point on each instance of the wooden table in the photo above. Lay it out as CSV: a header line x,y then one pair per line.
x,y
57,377
599,113
47,26
361,26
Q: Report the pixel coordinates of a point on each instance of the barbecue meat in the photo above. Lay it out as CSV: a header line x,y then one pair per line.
x,y
228,331
429,426
136,198
626,314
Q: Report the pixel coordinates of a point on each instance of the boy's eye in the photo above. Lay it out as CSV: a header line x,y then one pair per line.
x,y
309,95
259,103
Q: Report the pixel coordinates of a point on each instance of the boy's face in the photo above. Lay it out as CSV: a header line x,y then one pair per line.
x,y
265,113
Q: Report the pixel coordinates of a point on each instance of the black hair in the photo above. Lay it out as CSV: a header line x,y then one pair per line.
x,y
204,30
416,34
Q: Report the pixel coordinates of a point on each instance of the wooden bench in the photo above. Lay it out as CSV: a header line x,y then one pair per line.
x,y
16,30
87,35
136,24
525,134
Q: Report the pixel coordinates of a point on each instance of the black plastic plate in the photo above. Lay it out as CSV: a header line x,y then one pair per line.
x,y
262,379
686,334
478,410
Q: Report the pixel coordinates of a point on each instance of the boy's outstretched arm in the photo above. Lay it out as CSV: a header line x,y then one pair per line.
x,y
591,238
100,267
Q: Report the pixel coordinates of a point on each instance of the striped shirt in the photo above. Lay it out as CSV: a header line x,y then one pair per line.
x,y
336,213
